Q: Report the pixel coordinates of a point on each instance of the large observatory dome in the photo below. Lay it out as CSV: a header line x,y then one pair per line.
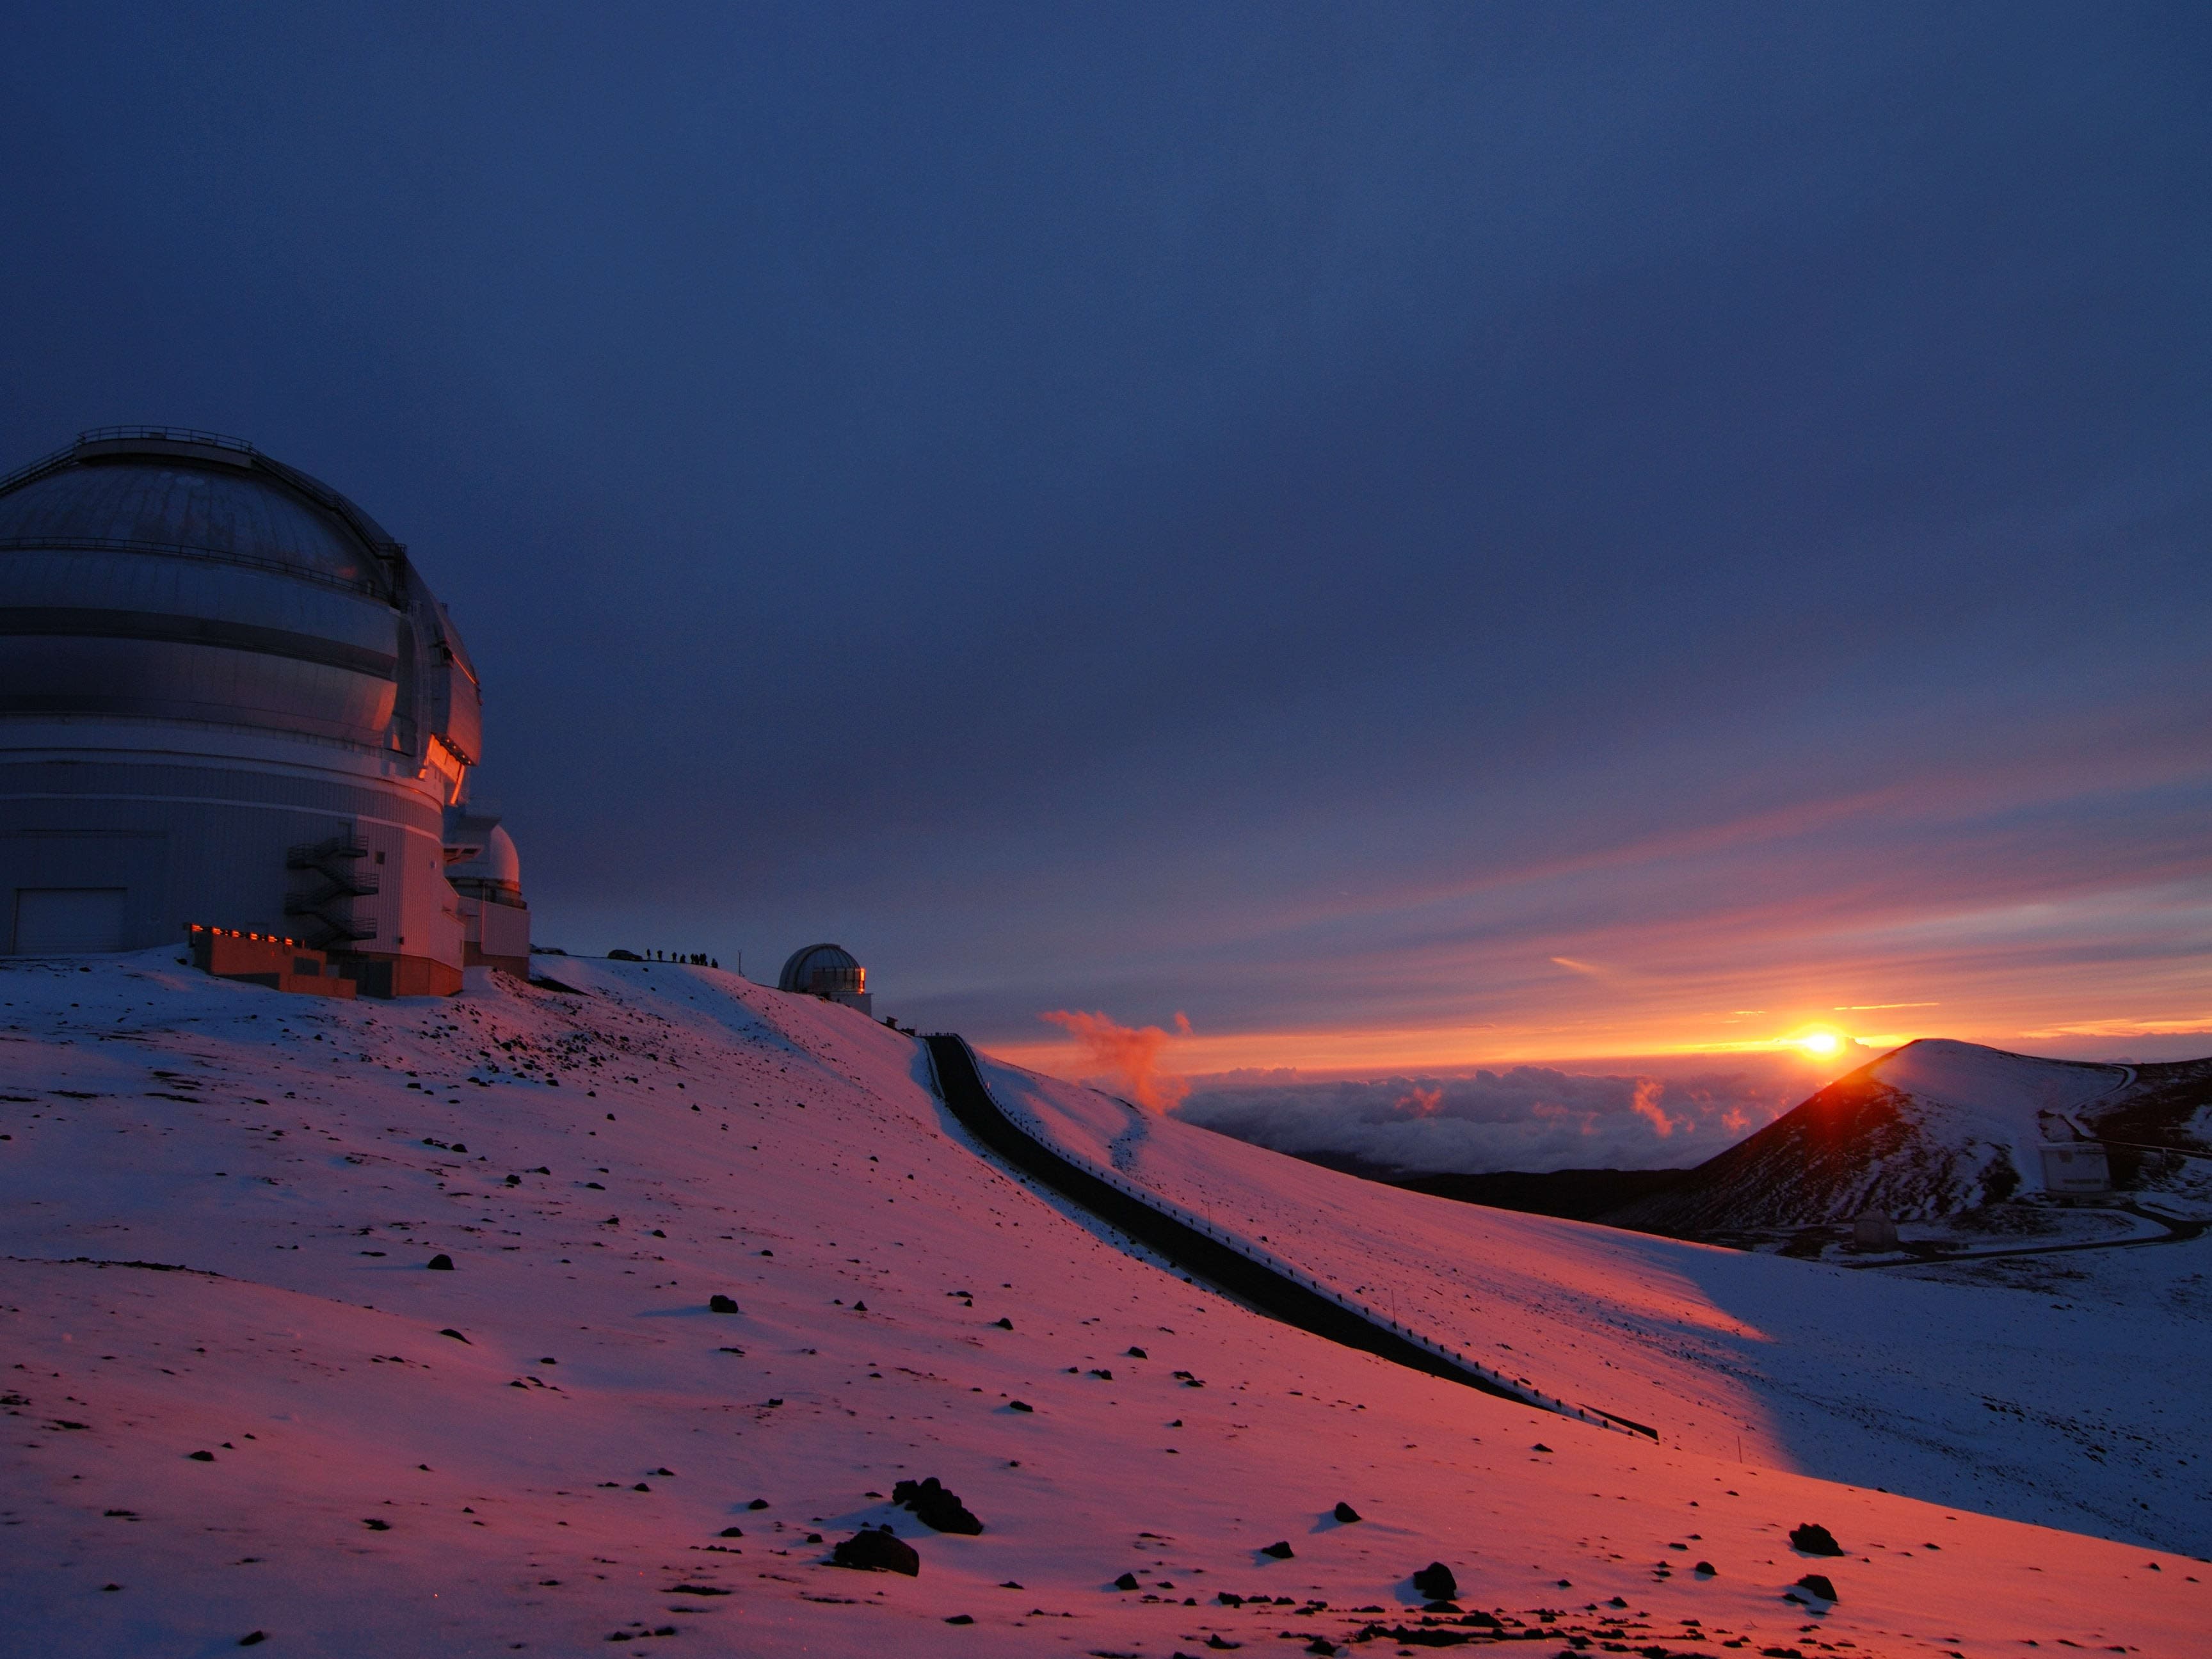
x,y
226,697
187,577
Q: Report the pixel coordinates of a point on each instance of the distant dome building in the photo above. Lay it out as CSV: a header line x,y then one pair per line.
x,y
228,698
485,873
828,970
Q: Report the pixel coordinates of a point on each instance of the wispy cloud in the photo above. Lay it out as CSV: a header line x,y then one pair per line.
x,y
1126,1057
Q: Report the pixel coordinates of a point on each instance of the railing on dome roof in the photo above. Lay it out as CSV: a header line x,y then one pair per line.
x,y
98,435
175,434
30,470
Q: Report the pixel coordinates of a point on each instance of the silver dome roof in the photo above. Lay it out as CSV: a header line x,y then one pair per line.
x,y
162,489
167,573
814,967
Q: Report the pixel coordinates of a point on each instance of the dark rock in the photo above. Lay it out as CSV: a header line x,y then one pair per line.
x,y
641,1486
961,1619
111,1587
1436,1582
1127,1581
732,1532
1540,1446
375,1525
1227,1599
721,1303
758,1504
1704,1570
1004,1324
1815,1540
877,1549
1427,1637
935,1507
440,1263
1019,1405
1215,1641
456,1335
671,1473
1139,1353
696,1589
1321,1644
1345,1513
1280,1549
201,1456
862,1307
1819,1584
253,1638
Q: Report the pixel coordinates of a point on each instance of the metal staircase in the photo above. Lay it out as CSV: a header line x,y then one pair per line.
x,y
328,902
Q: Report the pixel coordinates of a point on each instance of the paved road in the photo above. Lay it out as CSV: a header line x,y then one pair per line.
x,y
1272,1293
2177,1232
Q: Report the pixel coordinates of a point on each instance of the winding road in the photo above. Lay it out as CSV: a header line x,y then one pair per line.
x,y
961,1088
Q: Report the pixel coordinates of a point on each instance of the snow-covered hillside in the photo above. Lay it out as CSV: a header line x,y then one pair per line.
x,y
1929,1130
240,1401
2075,1414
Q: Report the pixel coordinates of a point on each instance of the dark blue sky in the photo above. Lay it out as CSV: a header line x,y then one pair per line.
x,y
1429,531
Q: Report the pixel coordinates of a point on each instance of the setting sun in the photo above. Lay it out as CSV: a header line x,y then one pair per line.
x,y
1819,1042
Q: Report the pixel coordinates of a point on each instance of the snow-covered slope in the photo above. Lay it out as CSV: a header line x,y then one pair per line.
x,y
547,1447
1970,1096
2078,1413
1929,1130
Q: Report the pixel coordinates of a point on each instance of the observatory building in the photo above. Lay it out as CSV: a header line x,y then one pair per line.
x,y
227,700
828,970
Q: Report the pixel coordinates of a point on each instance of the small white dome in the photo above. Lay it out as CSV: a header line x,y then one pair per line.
x,y
485,852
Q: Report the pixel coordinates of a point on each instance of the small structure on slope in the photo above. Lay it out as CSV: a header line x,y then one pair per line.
x,y
1874,1229
2075,1168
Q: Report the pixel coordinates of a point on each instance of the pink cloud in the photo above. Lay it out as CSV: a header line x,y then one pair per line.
x,y
1126,1055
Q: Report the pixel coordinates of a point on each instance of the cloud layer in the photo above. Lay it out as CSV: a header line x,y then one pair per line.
x,y
1523,1117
